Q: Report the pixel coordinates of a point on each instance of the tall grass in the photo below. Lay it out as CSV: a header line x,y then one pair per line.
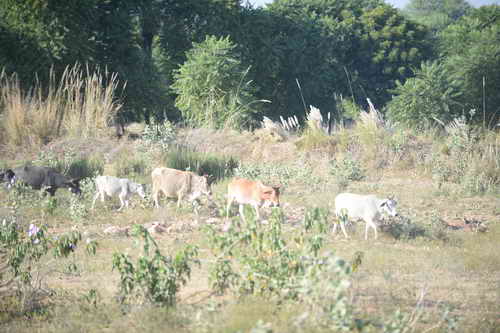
x,y
183,158
81,103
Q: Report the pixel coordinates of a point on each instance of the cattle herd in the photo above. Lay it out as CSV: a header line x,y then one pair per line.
x,y
186,184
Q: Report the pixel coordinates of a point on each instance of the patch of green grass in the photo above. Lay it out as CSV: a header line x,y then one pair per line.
x,y
184,158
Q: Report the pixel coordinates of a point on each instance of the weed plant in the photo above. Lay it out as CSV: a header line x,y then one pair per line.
x,y
346,170
159,134
155,278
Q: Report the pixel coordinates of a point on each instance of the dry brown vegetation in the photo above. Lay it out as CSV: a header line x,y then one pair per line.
x,y
80,103
437,276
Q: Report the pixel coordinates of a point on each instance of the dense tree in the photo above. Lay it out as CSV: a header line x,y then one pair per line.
x,y
471,51
211,86
390,46
52,34
437,14
431,94
356,48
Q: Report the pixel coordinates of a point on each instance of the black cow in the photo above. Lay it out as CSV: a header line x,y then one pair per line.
x,y
39,177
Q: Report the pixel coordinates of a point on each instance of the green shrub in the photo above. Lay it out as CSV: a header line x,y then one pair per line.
x,y
273,173
211,86
345,170
155,278
160,134
183,158
69,163
431,93
21,253
405,229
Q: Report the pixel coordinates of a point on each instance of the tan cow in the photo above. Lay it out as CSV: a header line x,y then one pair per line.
x,y
254,193
178,184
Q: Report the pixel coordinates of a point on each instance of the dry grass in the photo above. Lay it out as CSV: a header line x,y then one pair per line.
x,y
461,273
81,103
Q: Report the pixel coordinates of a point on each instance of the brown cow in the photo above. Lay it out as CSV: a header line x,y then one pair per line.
x,y
254,193
178,184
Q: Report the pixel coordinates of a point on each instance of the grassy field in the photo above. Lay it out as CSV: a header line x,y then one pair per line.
x,y
420,275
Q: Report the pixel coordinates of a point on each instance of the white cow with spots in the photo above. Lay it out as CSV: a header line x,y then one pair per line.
x,y
111,186
362,207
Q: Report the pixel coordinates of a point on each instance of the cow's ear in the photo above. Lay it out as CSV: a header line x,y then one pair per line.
x,y
10,174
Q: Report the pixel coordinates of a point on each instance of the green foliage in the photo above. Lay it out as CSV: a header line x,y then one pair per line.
x,y
21,251
184,158
67,161
345,170
352,48
46,35
155,278
159,133
211,86
266,263
437,14
275,173
390,45
253,258
431,94
471,49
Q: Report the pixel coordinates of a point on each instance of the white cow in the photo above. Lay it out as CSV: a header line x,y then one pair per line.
x,y
110,186
254,193
362,207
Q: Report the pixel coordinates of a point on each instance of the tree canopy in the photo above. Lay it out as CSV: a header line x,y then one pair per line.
x,y
297,52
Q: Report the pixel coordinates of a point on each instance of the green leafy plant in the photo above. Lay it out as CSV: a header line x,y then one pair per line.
x,y
159,133
21,253
211,86
432,93
155,278
266,263
346,169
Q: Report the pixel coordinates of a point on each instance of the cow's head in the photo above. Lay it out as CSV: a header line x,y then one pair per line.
x,y
74,186
389,206
202,184
9,177
270,195
140,190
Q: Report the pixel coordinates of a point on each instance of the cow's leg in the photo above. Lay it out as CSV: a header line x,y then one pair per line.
x,y
155,197
229,203
97,194
373,224
342,226
179,198
242,215
257,214
123,200
370,224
